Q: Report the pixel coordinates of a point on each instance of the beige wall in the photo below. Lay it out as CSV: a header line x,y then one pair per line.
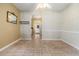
x,y
8,32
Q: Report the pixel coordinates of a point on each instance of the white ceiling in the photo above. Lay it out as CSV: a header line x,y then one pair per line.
x,y
32,6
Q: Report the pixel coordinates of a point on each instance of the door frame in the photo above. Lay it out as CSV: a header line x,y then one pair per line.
x,y
32,24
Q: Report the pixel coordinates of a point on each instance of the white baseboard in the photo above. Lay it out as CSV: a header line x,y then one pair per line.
x,y
50,39
42,39
3,48
26,38
71,44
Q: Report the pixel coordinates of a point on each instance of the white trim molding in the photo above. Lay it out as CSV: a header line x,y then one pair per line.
x,y
50,39
3,48
69,31
71,44
23,38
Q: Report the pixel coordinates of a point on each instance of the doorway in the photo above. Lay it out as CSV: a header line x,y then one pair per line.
x,y
36,27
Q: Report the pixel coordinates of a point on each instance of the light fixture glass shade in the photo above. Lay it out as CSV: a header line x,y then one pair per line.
x,y
42,6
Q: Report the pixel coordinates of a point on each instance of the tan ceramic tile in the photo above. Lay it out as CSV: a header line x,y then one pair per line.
x,y
38,47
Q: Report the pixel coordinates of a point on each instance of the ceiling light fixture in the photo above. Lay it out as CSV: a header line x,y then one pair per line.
x,y
42,6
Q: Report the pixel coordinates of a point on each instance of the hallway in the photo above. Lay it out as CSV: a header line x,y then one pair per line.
x,y
40,48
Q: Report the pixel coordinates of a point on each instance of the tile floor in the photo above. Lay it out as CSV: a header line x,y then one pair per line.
x,y
42,48
38,47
